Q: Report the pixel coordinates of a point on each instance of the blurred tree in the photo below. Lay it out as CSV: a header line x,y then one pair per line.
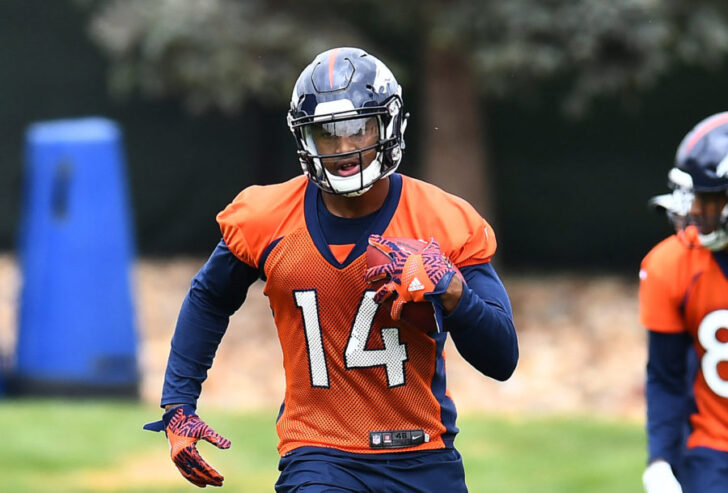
x,y
212,53
219,53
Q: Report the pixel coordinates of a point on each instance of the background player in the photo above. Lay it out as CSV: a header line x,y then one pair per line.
x,y
684,304
366,406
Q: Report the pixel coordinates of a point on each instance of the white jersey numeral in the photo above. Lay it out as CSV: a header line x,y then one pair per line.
x,y
307,302
715,350
393,356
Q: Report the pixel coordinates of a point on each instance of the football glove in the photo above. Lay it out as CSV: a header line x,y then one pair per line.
x,y
411,276
658,478
183,429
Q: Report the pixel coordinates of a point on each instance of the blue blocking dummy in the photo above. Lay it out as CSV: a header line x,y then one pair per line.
x,y
76,334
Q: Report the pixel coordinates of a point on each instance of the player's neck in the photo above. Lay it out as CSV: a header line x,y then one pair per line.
x,y
359,206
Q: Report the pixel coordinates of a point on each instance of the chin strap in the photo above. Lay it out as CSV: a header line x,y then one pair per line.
x,y
359,183
715,241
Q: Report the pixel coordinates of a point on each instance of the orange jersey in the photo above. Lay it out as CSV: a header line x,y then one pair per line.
x,y
683,289
350,369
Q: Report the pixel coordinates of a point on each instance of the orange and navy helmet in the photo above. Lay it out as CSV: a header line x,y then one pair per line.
x,y
703,154
701,166
343,93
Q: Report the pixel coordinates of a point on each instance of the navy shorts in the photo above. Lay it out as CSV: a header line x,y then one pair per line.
x,y
704,470
319,470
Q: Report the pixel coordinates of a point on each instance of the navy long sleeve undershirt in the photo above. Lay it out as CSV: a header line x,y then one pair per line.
x,y
481,325
217,291
667,402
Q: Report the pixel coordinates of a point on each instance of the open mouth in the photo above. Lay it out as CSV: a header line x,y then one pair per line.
x,y
347,167
704,225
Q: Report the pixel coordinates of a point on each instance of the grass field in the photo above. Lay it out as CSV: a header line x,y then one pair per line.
x,y
99,446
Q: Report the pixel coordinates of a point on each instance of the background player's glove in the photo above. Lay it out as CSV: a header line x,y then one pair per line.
x,y
183,429
412,276
658,478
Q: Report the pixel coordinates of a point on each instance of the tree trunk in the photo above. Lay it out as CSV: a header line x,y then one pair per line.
x,y
454,148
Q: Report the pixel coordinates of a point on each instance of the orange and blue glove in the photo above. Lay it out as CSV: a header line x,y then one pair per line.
x,y
412,276
183,429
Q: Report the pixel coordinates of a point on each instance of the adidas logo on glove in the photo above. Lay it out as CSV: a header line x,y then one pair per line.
x,y
415,285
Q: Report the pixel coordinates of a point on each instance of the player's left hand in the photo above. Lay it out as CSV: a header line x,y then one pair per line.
x,y
659,478
183,429
412,276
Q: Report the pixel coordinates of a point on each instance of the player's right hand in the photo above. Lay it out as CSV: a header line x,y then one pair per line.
x,y
412,276
183,429
659,478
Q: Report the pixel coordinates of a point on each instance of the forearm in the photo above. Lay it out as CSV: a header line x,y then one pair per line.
x,y
217,291
481,323
484,335
665,413
665,395
195,341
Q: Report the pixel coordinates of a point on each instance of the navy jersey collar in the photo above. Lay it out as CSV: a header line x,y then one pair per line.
x,y
342,230
721,258
377,225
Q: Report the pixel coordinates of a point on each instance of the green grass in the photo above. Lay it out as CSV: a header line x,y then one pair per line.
x,y
98,446
551,455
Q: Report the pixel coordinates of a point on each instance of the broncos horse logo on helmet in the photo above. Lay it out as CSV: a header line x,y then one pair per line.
x,y
346,92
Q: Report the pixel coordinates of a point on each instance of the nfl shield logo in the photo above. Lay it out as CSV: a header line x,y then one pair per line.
x,y
376,439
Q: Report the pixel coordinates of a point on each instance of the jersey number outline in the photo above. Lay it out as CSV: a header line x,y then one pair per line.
x,y
393,356
715,350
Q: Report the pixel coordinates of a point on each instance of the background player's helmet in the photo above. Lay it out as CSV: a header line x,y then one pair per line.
x,y
342,90
676,205
701,166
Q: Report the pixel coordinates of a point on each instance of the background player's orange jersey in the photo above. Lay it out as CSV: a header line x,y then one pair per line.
x,y
350,369
683,289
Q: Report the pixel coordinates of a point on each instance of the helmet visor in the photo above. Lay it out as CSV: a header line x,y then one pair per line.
x,y
342,136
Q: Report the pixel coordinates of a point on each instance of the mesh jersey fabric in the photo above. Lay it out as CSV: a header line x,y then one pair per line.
x,y
683,289
349,368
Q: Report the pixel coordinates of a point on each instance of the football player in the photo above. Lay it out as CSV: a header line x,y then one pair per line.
x,y
684,304
366,406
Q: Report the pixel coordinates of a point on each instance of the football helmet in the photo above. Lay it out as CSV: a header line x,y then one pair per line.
x,y
347,95
701,167
676,205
